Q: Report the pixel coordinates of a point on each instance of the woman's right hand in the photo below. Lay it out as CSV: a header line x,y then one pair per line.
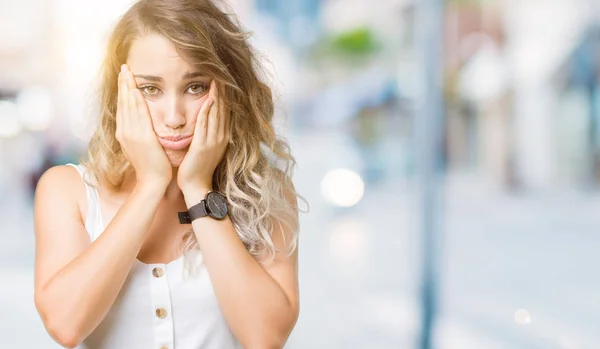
x,y
136,134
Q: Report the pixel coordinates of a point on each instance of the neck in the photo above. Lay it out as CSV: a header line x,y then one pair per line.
x,y
173,192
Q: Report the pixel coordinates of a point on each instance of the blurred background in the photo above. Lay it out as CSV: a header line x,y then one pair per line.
x,y
450,153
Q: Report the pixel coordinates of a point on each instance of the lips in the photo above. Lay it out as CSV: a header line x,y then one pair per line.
x,y
175,143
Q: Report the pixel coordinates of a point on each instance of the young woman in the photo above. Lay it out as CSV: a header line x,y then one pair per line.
x,y
178,230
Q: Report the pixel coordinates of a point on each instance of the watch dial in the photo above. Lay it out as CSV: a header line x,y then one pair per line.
x,y
217,205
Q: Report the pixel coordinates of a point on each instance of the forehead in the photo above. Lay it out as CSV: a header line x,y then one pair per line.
x,y
156,55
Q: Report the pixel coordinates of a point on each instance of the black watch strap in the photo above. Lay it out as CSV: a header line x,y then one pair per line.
x,y
194,212
184,218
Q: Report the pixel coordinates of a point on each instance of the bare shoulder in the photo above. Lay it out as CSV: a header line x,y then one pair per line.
x,y
62,176
62,185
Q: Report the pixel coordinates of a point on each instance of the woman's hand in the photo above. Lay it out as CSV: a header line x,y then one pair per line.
x,y
211,136
136,134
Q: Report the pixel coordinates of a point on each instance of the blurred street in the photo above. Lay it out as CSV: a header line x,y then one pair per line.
x,y
502,252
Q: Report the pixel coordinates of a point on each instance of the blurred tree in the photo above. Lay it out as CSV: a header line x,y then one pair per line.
x,y
358,41
356,45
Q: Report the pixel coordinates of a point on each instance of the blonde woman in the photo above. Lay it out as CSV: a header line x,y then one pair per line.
x,y
177,231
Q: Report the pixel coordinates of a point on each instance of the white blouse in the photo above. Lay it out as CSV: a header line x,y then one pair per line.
x,y
157,308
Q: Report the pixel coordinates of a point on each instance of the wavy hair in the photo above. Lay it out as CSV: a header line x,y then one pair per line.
x,y
261,195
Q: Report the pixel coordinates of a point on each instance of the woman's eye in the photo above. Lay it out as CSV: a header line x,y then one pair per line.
x,y
196,88
150,90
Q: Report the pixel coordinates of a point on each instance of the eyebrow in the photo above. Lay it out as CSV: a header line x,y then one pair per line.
x,y
158,78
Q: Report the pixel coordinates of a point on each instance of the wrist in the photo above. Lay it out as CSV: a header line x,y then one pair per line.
x,y
193,195
152,185
149,191
153,182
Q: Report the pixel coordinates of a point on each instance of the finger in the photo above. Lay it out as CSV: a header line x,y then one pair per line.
x,y
213,91
221,113
202,120
227,124
119,104
134,119
139,113
130,79
138,110
213,123
142,109
132,115
131,87
213,114
223,119
124,103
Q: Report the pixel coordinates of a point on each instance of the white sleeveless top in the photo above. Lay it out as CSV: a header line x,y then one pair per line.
x,y
157,307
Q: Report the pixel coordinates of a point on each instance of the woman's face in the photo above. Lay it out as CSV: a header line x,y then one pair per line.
x,y
173,90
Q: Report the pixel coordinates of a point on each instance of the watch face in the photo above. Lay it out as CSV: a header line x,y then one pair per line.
x,y
217,205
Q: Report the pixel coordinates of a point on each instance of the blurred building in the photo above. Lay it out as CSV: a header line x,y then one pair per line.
x,y
503,110
578,85
296,21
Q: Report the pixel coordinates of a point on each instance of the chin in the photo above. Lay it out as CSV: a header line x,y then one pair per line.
x,y
175,156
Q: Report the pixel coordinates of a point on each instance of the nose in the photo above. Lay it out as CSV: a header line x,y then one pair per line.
x,y
175,113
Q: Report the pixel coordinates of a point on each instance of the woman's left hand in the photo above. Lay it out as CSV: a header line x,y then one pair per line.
x,y
210,140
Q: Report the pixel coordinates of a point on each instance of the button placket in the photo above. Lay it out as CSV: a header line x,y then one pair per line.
x,y
158,272
161,306
161,313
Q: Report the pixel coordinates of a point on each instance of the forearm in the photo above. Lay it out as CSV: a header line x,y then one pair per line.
x,y
256,308
78,297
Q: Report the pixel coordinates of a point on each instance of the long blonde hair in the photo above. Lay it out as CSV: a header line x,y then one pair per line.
x,y
212,41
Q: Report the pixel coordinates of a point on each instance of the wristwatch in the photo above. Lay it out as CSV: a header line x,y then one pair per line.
x,y
214,205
